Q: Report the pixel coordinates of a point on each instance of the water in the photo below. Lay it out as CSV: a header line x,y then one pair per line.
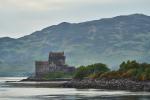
x,y
9,92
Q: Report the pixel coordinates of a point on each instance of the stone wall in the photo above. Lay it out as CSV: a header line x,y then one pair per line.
x,y
41,68
57,58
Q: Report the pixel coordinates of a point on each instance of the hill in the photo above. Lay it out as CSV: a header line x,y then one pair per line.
x,y
108,40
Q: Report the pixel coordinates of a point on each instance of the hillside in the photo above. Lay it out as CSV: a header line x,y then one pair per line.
x,y
108,40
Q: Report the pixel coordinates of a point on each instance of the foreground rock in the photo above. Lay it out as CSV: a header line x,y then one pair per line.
x,y
113,84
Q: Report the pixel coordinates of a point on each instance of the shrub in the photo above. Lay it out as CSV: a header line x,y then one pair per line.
x,y
90,71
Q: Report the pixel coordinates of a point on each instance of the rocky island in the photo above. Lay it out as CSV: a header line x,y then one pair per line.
x,y
131,75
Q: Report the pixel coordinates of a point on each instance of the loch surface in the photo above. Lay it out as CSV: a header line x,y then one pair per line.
x,y
10,92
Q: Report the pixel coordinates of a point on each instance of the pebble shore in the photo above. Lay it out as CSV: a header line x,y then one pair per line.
x,y
113,84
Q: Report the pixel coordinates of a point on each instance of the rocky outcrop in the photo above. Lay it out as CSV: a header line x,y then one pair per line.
x,y
113,84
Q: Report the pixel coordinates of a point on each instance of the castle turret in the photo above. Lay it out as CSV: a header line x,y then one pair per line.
x,y
57,58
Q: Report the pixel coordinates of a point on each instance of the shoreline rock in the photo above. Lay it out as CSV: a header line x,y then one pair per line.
x,y
112,84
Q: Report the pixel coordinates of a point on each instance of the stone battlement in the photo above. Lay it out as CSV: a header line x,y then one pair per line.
x,y
57,58
56,54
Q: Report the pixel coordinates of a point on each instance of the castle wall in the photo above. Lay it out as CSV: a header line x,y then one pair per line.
x,y
57,58
64,68
55,63
41,67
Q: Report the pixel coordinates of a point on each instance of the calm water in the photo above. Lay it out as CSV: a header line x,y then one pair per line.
x,y
8,92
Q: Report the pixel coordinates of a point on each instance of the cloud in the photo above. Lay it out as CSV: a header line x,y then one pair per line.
x,y
30,4
21,17
42,5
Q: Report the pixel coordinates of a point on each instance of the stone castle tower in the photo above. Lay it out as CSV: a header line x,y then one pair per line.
x,y
57,58
55,63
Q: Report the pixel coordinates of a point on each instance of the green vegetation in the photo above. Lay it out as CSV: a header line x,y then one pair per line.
x,y
135,70
90,70
129,69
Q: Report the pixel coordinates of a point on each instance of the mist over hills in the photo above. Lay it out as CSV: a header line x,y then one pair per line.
x,y
108,40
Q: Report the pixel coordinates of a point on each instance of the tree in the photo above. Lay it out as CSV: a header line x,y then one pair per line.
x,y
87,71
80,72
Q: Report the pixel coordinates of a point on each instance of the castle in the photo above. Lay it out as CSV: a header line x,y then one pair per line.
x,y
55,63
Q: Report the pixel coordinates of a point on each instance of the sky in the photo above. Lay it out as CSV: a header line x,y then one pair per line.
x,y
22,17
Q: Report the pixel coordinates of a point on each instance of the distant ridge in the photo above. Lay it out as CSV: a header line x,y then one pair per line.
x,y
108,40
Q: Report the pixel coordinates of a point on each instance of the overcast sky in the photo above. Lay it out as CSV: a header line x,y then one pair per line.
x,y
22,17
